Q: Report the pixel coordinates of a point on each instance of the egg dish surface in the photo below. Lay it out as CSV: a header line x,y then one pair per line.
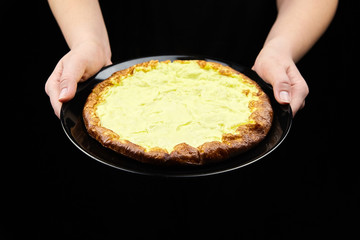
x,y
188,112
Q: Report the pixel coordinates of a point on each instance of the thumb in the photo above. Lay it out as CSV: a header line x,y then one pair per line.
x,y
282,89
277,76
72,73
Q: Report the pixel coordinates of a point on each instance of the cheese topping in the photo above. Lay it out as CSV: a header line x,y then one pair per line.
x,y
176,103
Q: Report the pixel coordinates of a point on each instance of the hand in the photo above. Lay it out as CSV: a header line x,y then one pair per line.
x,y
79,64
275,66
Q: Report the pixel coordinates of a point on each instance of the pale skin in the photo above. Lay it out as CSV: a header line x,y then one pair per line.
x,y
298,26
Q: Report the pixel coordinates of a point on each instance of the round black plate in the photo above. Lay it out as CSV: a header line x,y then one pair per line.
x,y
73,125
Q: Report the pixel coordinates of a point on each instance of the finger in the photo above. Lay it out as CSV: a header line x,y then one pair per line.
x,y
108,62
52,88
299,89
53,95
73,70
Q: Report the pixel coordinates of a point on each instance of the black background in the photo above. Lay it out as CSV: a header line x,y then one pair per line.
x,y
308,188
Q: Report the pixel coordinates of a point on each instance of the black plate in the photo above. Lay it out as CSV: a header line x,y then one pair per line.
x,y
73,125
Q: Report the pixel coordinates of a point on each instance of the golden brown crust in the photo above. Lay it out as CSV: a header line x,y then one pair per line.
x,y
246,137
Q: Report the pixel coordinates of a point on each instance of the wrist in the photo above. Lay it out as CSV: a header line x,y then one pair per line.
x,y
101,47
281,46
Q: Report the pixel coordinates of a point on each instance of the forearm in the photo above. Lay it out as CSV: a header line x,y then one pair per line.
x,y
80,21
300,23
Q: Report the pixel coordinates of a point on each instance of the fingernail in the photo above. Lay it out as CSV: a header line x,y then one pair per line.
x,y
284,96
62,93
